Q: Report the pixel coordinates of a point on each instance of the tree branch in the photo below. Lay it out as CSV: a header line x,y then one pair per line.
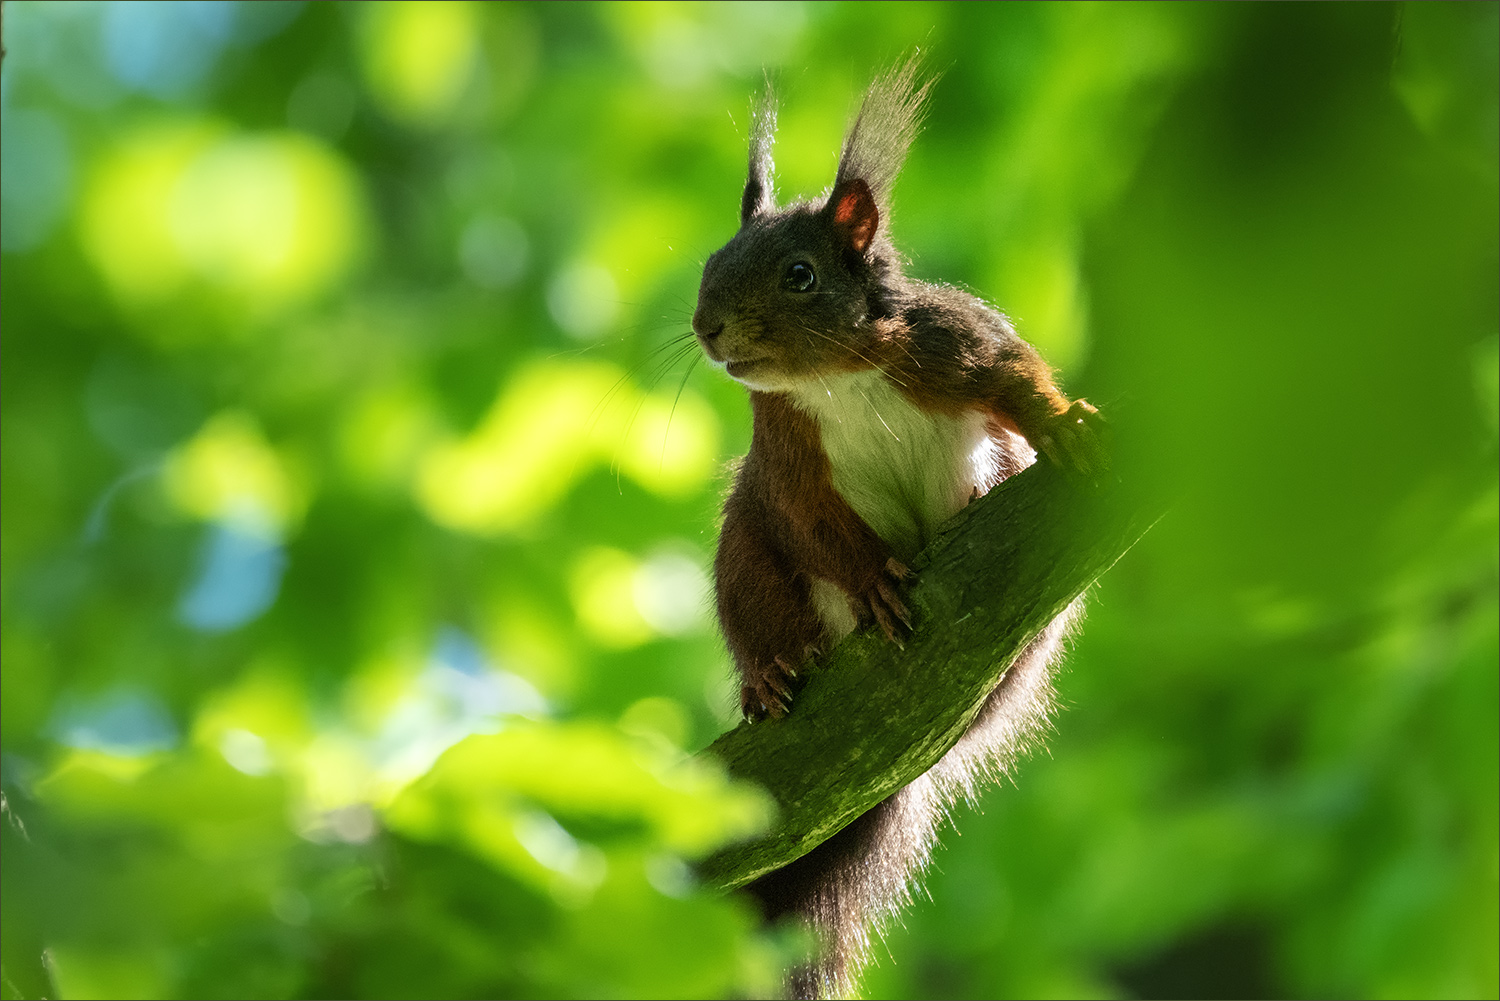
x,y
872,717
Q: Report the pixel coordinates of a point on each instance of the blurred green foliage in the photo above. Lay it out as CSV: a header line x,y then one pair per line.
x,y
359,490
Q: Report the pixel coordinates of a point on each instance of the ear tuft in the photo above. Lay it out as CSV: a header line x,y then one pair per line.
x,y
855,215
760,192
889,119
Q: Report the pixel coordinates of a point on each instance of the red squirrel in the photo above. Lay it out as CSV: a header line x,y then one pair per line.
x,y
881,405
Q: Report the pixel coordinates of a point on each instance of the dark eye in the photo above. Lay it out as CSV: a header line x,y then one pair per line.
x,y
799,277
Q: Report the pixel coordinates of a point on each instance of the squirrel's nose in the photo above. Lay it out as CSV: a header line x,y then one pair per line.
x,y
705,326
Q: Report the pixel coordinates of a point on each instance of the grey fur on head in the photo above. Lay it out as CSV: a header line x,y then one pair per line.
x,y
889,119
760,192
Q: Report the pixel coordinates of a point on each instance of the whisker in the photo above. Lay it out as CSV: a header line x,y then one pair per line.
x,y
662,462
668,345
877,414
907,351
682,351
831,397
852,351
669,363
690,307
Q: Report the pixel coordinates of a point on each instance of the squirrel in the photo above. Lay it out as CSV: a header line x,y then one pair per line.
x,y
881,405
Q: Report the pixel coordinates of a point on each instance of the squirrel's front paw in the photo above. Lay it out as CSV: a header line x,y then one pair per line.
x,y
768,691
885,601
1075,439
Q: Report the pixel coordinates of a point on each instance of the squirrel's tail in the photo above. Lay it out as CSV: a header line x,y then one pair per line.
x,y
848,887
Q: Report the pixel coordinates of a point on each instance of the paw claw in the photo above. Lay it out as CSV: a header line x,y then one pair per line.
x,y
886,604
892,599
779,683
768,691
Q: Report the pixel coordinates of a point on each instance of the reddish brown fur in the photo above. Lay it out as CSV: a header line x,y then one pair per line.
x,y
784,525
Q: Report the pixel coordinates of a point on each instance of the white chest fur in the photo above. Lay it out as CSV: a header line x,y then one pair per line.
x,y
903,470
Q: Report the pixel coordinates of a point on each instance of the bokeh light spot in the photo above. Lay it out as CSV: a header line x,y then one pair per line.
x,y
124,218
603,585
266,220
526,453
419,57
271,216
126,722
239,578
549,427
670,592
383,434
245,751
583,299
493,251
228,472
672,446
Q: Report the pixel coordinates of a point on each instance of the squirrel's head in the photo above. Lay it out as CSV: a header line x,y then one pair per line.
x,y
791,296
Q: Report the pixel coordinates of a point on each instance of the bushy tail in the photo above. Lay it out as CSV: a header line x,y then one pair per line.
x,y
850,886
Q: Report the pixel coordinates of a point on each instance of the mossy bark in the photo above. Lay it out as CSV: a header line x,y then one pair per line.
x,y
873,716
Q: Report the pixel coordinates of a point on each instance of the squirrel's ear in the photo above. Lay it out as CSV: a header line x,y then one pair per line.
x,y
855,214
760,195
